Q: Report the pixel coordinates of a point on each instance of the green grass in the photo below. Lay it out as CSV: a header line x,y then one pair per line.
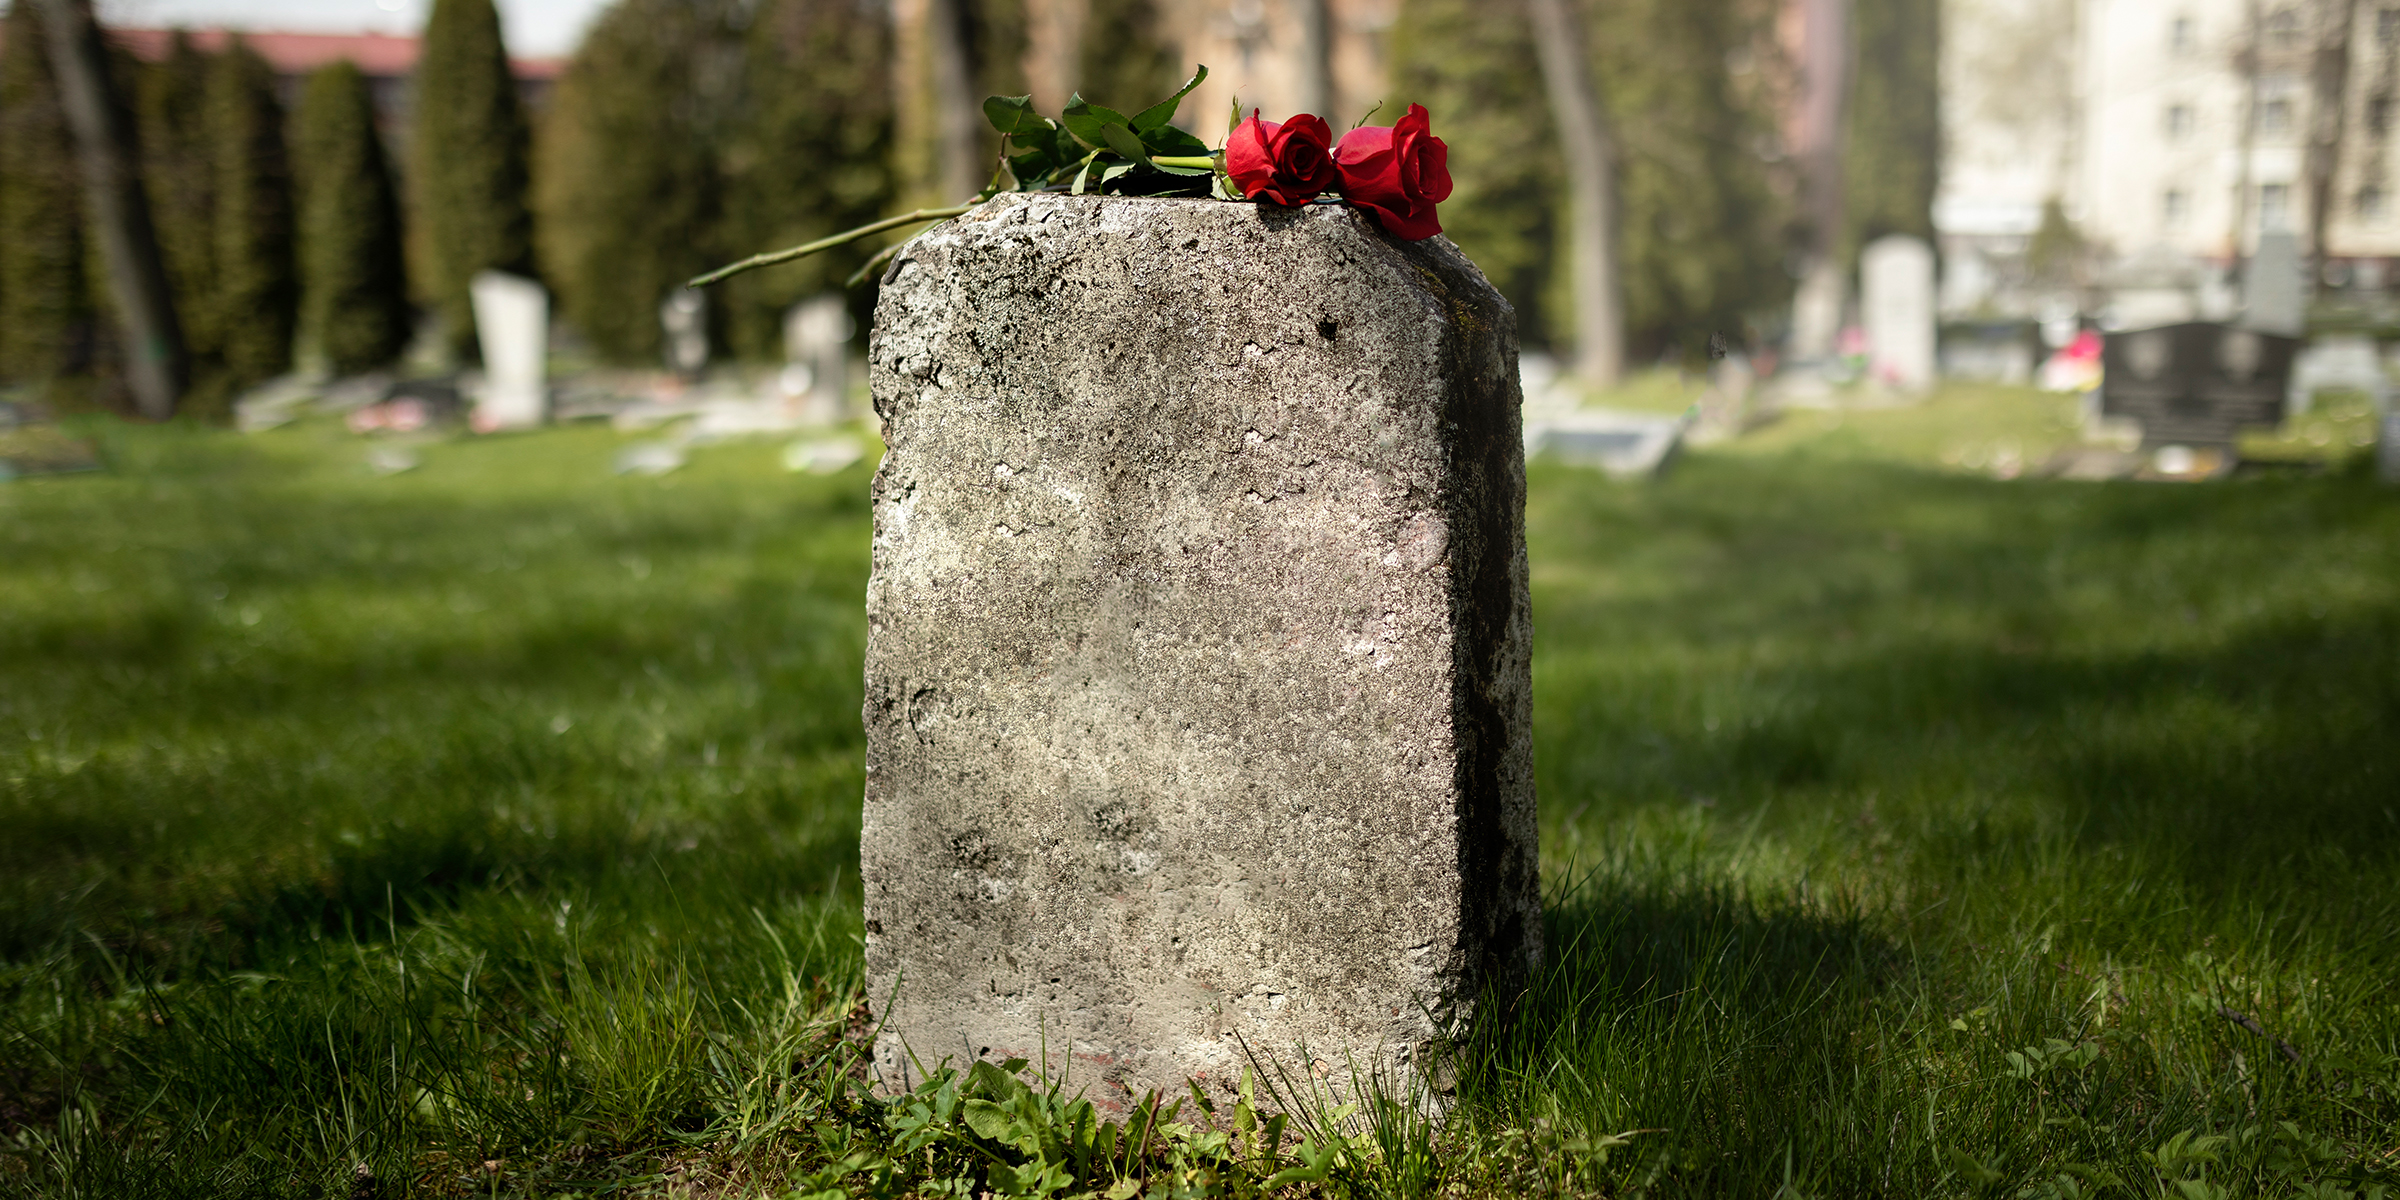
x,y
492,828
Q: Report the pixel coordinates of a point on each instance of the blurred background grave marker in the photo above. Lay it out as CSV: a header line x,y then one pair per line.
x,y
1896,290
512,321
816,347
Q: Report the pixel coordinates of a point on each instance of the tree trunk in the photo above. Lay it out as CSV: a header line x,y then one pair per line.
x,y
2245,66
1589,152
937,110
1054,50
2329,77
104,146
1314,93
1824,72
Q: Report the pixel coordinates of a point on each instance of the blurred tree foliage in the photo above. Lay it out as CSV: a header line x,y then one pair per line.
x,y
809,155
2055,254
257,293
1128,59
1893,140
48,320
994,35
628,184
354,288
179,176
1471,63
1684,81
467,167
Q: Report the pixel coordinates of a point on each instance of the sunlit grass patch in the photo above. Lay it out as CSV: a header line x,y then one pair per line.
x,y
490,828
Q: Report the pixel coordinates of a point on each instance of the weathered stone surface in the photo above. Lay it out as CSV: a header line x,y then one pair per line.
x,y
1197,705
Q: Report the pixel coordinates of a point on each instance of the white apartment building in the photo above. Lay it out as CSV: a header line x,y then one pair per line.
x,y
2166,129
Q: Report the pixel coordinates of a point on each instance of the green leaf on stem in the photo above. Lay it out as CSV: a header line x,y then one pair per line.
x,y
1012,114
1164,111
1085,120
1166,141
1125,142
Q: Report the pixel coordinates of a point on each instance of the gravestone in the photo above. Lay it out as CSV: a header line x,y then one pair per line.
x,y
683,324
816,341
2196,384
1197,706
2346,361
512,322
1896,299
1627,445
2274,291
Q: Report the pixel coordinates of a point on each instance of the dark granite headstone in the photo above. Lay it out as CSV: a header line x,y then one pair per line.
x,y
2196,384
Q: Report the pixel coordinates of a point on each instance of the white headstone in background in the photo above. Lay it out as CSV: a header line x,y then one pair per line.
x,y
683,317
816,338
1816,315
1897,299
2337,361
2273,298
512,321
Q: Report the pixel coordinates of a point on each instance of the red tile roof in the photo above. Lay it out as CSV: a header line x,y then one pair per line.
x,y
300,53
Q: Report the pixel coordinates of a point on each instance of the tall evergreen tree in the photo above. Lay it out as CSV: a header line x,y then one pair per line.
x,y
808,155
179,170
257,291
1128,60
994,36
1700,224
47,315
1893,143
468,166
1472,64
628,187
354,289
1702,237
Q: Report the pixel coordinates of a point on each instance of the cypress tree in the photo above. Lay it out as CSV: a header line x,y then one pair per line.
x,y
1471,63
257,289
627,182
1893,140
47,316
1701,237
1700,223
1128,61
808,156
354,290
994,32
179,171
468,162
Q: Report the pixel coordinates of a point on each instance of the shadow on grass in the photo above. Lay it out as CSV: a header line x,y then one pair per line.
x,y
2206,674
1707,1018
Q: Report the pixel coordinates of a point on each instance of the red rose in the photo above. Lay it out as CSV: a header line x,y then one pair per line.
x,y
1287,163
1397,174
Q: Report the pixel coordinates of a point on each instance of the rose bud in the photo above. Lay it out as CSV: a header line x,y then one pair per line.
x,y
1398,174
1286,162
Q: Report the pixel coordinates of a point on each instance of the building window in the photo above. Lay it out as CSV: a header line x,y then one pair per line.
x,y
2175,206
2275,117
2283,30
2370,203
2182,39
2275,206
2179,120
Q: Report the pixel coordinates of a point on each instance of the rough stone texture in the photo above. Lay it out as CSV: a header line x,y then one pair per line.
x,y
1198,698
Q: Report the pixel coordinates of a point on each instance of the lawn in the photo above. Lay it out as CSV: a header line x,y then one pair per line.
x,y
490,829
